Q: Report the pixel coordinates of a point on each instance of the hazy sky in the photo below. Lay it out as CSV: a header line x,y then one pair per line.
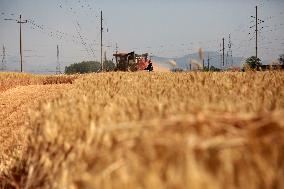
x,y
168,28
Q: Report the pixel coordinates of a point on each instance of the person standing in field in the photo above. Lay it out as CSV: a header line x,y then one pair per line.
x,y
150,67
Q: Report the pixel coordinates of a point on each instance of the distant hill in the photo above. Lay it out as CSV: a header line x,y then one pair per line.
x,y
182,62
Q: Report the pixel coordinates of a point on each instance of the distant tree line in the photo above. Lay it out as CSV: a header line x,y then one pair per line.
x,y
253,63
89,67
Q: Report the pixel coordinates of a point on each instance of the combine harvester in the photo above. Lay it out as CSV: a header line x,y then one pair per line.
x,y
132,62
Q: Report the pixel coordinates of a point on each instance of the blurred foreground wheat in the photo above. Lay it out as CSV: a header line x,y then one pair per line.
x,y
20,93
158,130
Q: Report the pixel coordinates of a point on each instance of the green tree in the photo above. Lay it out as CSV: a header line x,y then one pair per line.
x,y
109,66
253,63
83,67
89,67
213,69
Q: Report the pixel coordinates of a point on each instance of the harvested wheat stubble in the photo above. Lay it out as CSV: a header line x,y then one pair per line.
x,y
160,130
11,80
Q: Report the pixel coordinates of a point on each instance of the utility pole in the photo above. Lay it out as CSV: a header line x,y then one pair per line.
x,y
208,62
223,58
256,31
116,51
102,66
3,59
230,50
220,51
58,71
21,50
189,63
257,22
227,59
105,56
203,64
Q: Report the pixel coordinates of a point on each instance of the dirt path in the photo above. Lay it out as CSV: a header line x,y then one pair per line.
x,y
14,110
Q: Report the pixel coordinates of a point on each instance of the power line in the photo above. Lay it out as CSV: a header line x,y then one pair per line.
x,y
77,27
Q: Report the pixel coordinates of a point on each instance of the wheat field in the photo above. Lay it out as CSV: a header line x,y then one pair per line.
x,y
152,130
